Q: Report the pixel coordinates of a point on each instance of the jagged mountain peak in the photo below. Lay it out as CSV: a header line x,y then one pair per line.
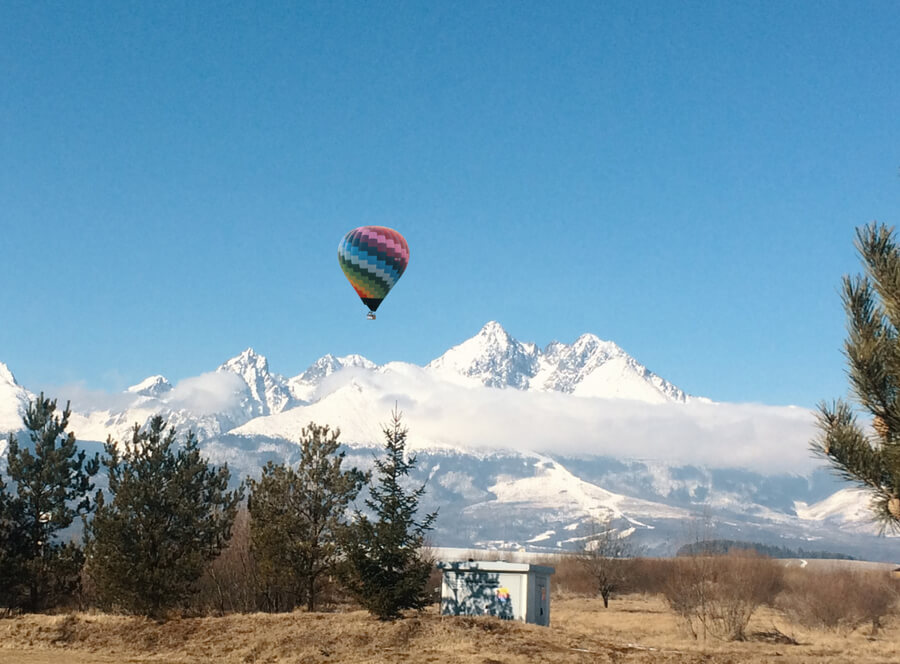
x,y
494,330
152,386
247,360
493,357
268,392
588,367
13,401
329,364
6,375
592,341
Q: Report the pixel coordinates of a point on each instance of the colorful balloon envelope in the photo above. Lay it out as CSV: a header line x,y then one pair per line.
x,y
373,258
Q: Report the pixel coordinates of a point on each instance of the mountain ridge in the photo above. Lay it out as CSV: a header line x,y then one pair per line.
x,y
589,366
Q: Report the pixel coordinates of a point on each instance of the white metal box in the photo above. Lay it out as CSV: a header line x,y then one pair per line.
x,y
512,591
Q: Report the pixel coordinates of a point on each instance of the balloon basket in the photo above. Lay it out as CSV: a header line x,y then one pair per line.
x,y
371,315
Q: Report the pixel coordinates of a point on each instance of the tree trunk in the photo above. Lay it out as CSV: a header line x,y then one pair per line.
x,y
605,596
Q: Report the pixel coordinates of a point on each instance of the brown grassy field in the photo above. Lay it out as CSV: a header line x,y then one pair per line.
x,y
636,628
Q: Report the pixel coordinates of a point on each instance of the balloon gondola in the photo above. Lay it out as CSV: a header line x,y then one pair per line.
x,y
373,258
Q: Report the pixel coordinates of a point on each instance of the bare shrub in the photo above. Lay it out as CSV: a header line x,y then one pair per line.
x,y
717,595
645,575
650,575
570,577
605,556
231,582
838,598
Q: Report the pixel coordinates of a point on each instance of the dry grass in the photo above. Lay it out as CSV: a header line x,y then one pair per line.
x,y
636,628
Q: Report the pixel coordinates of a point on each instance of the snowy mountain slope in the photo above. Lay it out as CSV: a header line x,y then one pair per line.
x,y
305,386
589,367
847,509
360,404
152,386
553,486
492,357
13,402
211,404
267,392
450,414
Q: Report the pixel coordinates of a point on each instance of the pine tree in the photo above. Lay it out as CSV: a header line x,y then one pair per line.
x,y
385,567
170,514
298,514
870,459
52,483
11,550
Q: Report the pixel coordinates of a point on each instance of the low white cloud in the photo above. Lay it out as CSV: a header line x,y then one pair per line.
x,y
770,439
465,415
208,394
85,400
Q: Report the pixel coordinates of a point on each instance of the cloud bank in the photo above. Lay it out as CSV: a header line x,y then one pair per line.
x,y
769,439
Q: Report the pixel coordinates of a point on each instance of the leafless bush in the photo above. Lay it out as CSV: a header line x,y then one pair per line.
x,y
645,575
838,598
717,595
570,577
231,582
650,575
605,556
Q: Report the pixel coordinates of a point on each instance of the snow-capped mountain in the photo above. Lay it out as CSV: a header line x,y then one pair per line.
x,y
492,357
590,367
303,387
847,509
152,386
267,392
520,446
13,401
210,405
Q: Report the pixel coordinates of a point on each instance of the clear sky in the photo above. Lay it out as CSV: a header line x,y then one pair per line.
x,y
681,178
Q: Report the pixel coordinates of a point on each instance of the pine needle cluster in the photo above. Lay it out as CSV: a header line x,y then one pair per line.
x,y
870,457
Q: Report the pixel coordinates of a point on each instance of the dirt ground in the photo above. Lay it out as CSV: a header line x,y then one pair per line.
x,y
635,629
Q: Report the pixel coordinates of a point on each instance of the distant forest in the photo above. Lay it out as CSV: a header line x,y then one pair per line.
x,y
717,547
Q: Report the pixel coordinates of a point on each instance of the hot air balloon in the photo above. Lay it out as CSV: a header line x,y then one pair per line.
x,y
373,258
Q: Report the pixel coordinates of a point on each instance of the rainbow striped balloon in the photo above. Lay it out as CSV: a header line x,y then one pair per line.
x,y
373,258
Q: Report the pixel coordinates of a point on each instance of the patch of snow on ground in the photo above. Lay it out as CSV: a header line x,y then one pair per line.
x,y
547,534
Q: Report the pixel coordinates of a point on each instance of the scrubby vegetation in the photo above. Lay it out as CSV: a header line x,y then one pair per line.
x,y
717,596
715,547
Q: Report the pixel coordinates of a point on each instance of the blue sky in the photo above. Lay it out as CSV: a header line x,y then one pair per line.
x,y
681,178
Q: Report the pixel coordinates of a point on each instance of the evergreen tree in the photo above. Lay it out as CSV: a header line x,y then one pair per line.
x,y
52,483
170,514
870,459
11,549
297,516
385,566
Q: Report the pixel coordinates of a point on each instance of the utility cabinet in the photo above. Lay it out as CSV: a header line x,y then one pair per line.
x,y
512,591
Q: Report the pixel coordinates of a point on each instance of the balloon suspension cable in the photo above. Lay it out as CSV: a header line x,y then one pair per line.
x,y
371,315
